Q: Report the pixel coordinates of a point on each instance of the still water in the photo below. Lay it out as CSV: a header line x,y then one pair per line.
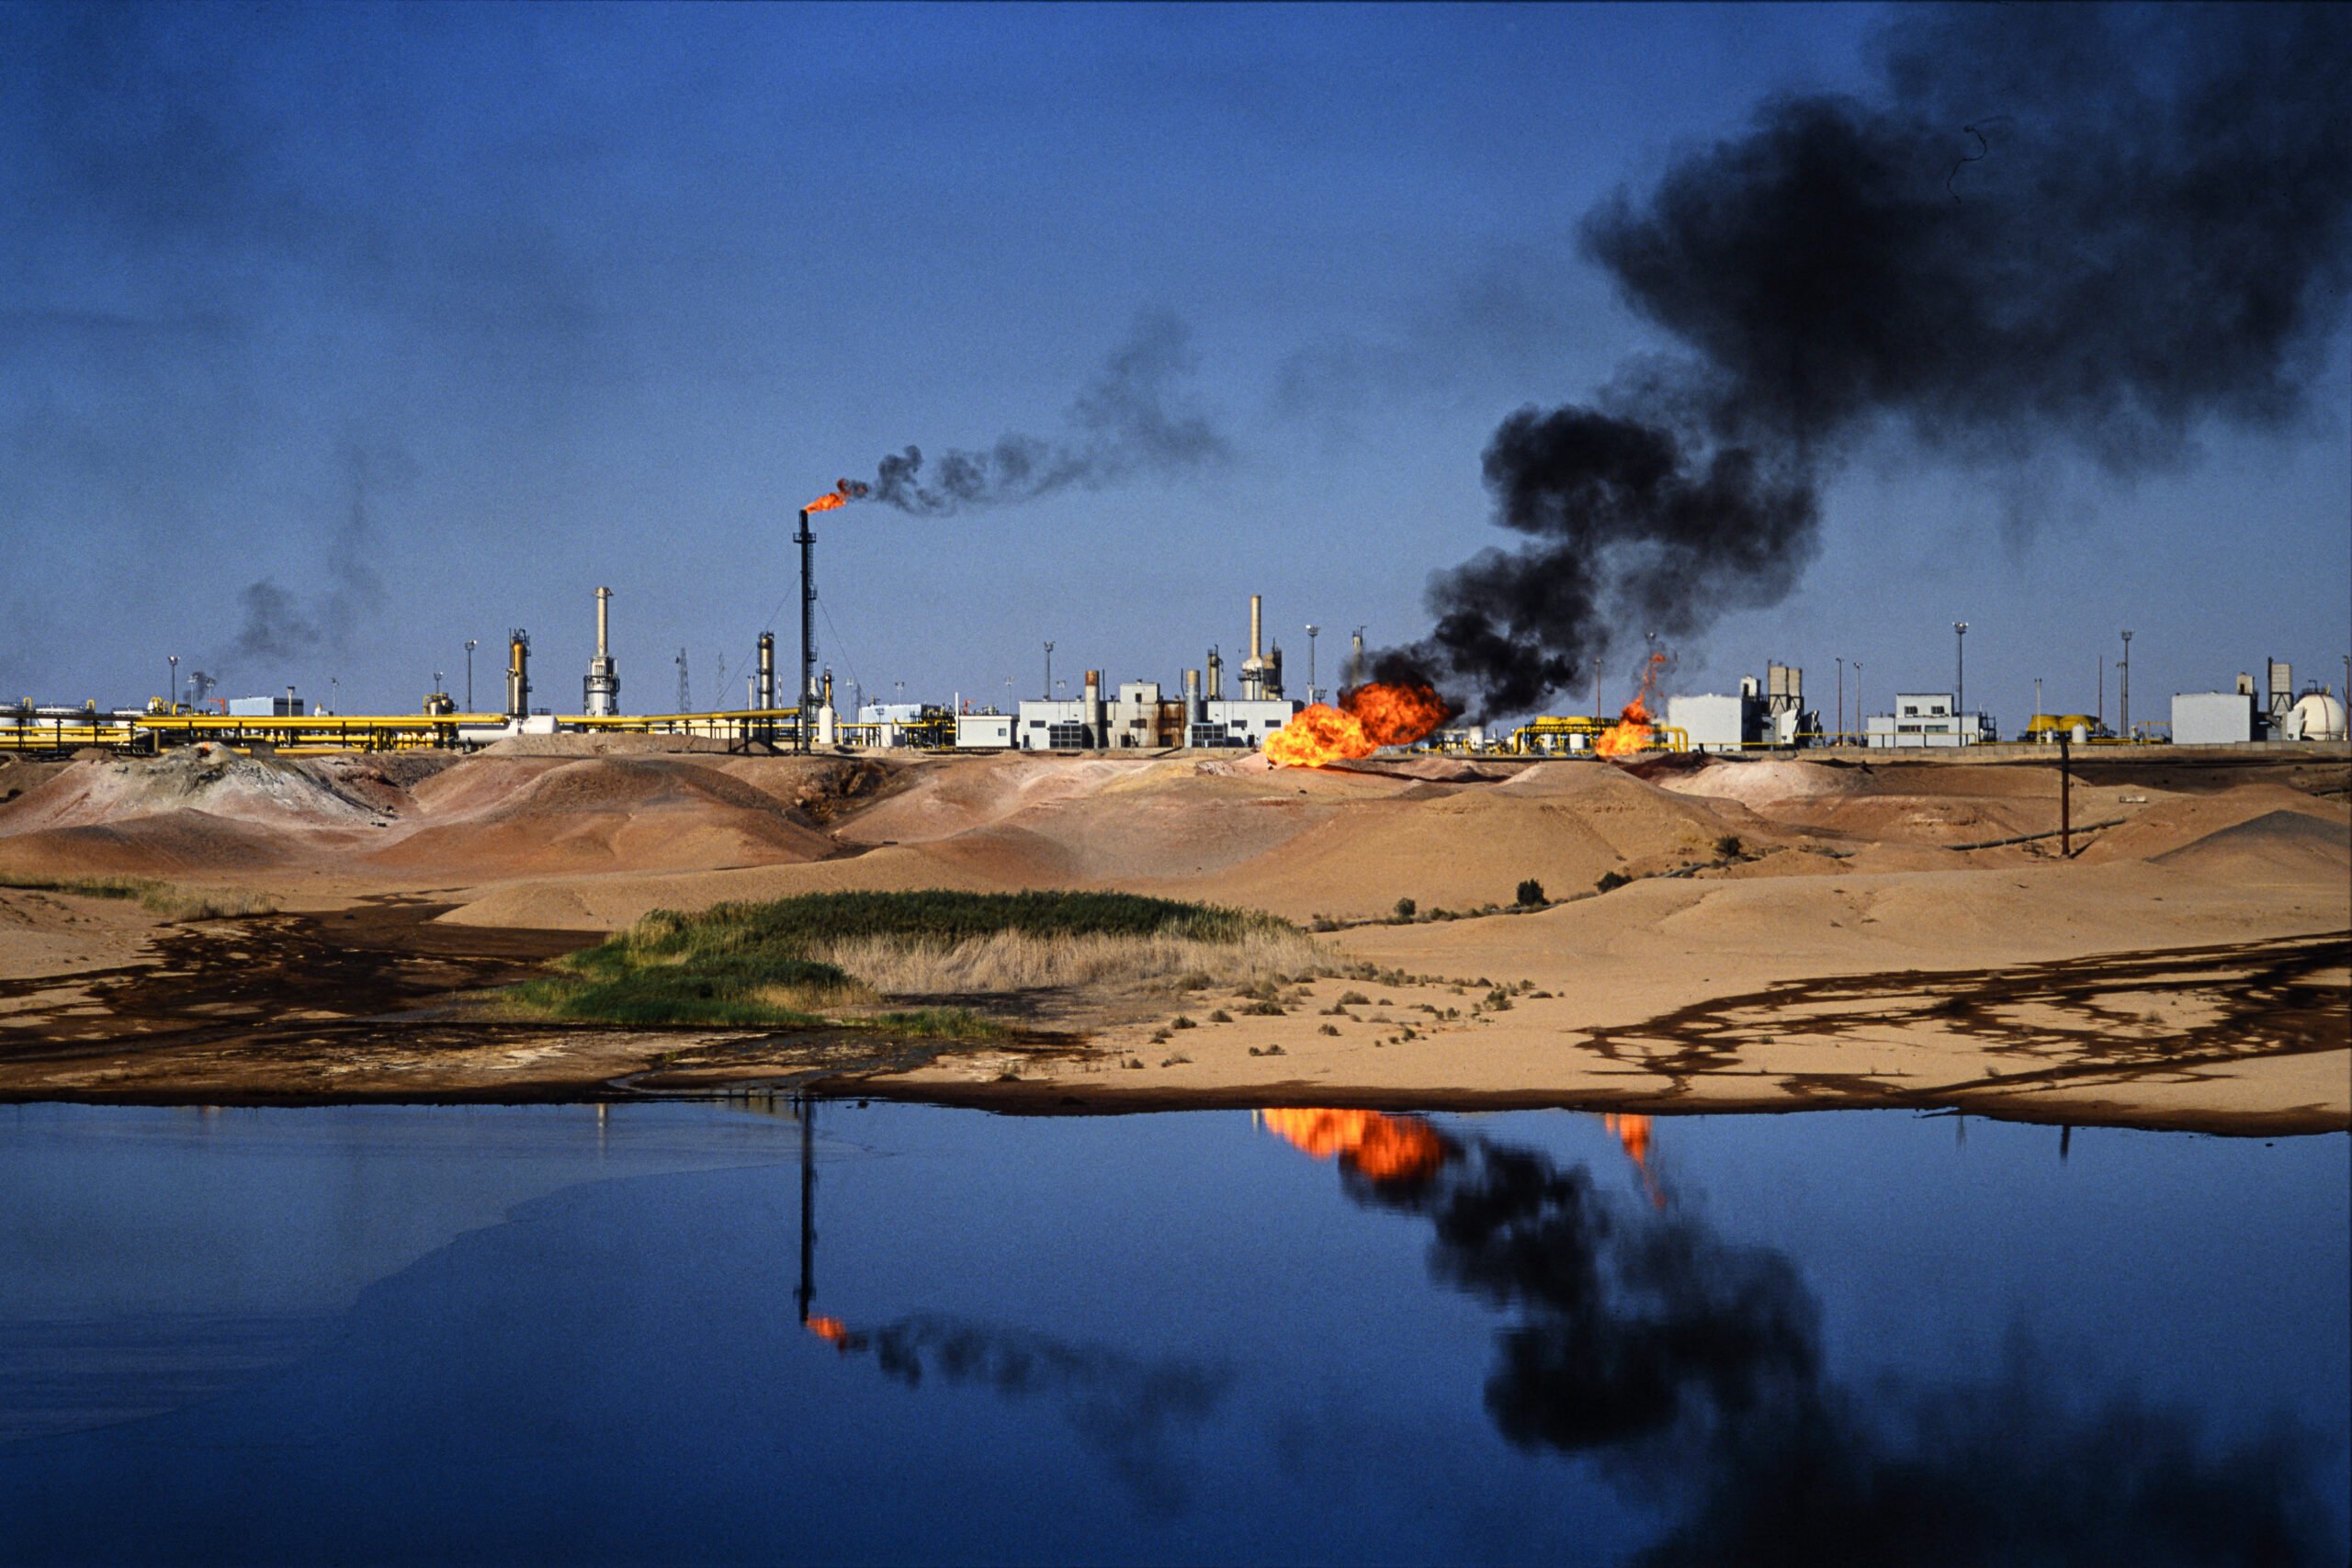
x,y
696,1333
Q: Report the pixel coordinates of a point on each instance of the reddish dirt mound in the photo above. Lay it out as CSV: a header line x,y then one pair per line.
x,y
2275,846
533,817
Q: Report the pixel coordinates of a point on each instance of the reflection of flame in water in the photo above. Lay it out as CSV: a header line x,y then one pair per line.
x,y
1368,717
1634,1131
1385,1148
1632,732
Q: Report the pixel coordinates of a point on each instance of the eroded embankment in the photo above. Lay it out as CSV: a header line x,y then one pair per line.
x,y
364,1005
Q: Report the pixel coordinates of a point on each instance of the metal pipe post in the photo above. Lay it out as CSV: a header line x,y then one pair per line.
x,y
806,541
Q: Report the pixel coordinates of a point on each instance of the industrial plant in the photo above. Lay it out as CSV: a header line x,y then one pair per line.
x,y
1763,715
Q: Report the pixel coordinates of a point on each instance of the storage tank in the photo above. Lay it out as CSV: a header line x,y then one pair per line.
x,y
2316,715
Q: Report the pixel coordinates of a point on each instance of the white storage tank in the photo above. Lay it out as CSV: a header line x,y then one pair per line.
x,y
2316,715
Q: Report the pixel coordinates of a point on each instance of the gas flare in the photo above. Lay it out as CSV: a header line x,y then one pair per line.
x,y
842,492
1632,730
1385,1148
1633,1133
1368,717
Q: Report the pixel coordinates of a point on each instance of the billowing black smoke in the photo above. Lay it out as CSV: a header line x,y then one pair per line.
x,y
1130,422
2068,229
1693,1367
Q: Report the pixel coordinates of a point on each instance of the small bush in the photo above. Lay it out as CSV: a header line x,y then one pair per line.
x,y
1406,909
1531,893
1611,881
1729,846
1330,1029
1177,1060
1220,1016
1355,999
1263,1010
1498,1000
1180,1021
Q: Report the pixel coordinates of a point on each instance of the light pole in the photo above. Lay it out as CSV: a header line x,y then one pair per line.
x,y
1841,702
1960,681
2037,702
1049,671
172,692
1311,629
2127,685
1858,701
470,675
437,682
335,693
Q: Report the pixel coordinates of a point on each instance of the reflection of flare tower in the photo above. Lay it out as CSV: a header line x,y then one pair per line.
x,y
600,692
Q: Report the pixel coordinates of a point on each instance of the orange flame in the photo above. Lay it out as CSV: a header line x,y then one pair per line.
x,y
1633,1133
1632,730
832,1330
1385,1148
842,492
1367,718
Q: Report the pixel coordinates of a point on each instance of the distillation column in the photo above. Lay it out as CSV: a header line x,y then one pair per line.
x,y
600,692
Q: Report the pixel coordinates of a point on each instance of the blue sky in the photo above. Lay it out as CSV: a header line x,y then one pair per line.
x,y
570,296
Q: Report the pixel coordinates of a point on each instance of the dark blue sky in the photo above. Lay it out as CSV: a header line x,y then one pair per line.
x,y
436,319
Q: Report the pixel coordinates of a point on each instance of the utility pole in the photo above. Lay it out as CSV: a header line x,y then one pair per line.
x,y
1841,702
470,675
686,692
172,692
1049,671
1858,701
2127,686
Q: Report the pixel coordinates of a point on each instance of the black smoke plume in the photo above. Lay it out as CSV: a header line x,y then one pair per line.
x,y
1693,1367
1129,1410
2048,229
277,626
1130,422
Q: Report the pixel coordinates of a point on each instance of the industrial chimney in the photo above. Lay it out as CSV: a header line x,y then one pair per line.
x,y
600,693
1253,669
518,673
765,698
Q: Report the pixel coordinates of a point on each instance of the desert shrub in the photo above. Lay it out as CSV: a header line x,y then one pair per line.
x,y
1406,909
1353,998
1180,1021
1729,846
1220,1016
1263,1010
1609,881
1330,1029
1530,891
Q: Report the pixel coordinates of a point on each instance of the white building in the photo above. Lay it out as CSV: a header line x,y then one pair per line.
x,y
2213,718
1928,719
982,731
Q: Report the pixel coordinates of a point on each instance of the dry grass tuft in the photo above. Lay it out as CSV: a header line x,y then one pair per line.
x,y
1020,961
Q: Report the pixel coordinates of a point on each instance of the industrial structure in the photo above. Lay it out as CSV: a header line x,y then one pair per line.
x,y
1770,715
1135,716
1928,719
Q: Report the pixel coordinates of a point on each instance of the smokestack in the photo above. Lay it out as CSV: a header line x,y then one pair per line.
x,y
767,670
518,673
1257,627
1196,710
1216,677
600,692
1095,715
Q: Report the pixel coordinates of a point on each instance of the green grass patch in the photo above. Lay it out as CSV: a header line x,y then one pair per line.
x,y
165,898
751,966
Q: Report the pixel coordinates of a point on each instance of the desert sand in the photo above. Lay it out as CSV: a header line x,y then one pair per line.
x,y
1791,932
